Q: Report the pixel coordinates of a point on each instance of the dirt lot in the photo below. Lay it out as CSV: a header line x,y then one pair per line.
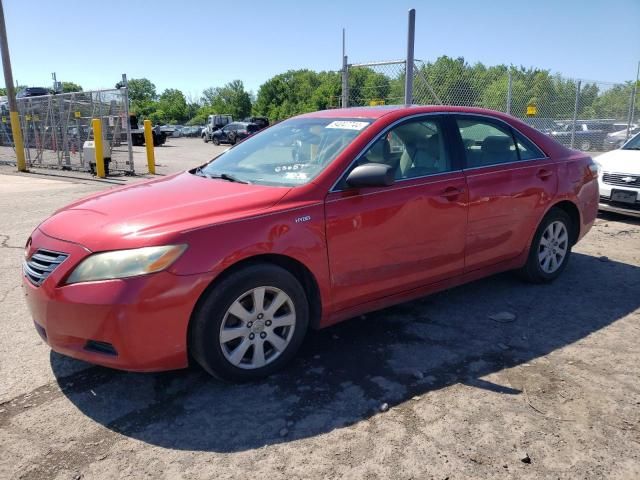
x,y
429,389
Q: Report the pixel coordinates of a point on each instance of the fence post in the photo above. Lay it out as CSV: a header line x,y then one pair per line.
x,y
632,106
345,82
148,142
96,124
509,84
408,80
575,113
125,100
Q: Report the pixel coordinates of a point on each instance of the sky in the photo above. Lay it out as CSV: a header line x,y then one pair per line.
x,y
195,44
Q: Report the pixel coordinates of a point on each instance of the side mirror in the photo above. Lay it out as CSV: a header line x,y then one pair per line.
x,y
371,175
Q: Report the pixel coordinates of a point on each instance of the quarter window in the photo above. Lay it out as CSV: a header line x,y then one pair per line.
x,y
526,149
486,143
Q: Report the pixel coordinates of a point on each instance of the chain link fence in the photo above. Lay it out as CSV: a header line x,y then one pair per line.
x,y
589,115
56,127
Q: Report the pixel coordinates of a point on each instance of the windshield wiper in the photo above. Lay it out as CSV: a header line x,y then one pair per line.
x,y
228,177
223,176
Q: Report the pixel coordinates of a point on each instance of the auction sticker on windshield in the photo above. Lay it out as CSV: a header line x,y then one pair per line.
x,y
347,125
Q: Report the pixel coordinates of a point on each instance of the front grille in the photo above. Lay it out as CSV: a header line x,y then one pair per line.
x,y
41,264
617,179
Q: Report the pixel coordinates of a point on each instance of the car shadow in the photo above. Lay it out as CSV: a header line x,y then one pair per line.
x,y
344,374
618,217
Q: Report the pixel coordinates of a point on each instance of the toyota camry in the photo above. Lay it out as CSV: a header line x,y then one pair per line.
x,y
312,221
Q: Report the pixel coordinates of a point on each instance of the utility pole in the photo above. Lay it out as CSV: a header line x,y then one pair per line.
x,y
11,94
408,80
345,73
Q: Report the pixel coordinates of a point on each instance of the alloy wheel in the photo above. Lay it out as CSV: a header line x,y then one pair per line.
x,y
257,327
553,247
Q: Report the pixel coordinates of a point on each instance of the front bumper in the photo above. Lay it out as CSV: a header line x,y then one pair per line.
x,y
607,205
137,324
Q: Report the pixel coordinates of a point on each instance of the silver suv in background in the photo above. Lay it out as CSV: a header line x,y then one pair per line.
x,y
214,123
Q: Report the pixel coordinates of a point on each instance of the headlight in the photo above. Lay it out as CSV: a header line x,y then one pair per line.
x,y
126,263
595,168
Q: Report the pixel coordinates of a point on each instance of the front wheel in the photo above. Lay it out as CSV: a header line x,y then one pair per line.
x,y
251,324
550,248
216,141
205,139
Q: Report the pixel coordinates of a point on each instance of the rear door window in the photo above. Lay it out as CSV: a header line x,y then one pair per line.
x,y
486,143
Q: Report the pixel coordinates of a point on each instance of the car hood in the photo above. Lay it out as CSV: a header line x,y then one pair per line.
x,y
620,161
157,211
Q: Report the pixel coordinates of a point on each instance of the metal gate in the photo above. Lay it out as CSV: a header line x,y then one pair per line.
x,y
56,127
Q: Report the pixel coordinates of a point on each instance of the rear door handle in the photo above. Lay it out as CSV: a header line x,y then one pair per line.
x,y
543,174
450,193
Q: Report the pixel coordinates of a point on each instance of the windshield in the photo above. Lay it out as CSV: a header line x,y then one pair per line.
x,y
290,153
633,144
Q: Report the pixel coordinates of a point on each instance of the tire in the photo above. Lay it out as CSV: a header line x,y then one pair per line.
x,y
585,145
216,141
235,355
545,268
205,139
233,140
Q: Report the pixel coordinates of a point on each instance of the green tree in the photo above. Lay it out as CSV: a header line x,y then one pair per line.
x,y
172,107
230,99
295,92
615,102
141,89
68,87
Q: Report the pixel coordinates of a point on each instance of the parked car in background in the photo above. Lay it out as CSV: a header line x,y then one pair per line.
x,y
33,92
544,125
177,131
214,123
137,133
240,257
619,175
620,136
234,132
589,135
261,122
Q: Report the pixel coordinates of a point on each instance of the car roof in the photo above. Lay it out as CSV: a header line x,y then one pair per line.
x,y
374,113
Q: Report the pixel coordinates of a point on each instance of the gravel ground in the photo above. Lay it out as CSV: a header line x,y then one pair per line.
x,y
434,388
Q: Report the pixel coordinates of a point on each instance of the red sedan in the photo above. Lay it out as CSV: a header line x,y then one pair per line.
x,y
317,219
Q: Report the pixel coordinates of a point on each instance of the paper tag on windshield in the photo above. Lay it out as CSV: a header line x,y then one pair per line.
x,y
296,175
347,125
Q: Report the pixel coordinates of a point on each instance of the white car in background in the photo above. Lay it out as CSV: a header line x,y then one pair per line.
x,y
619,178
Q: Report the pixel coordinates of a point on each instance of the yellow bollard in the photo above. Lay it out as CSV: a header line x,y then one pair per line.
x,y
17,141
96,124
148,142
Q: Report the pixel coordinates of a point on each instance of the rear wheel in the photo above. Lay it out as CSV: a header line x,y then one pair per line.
x,y
550,249
251,324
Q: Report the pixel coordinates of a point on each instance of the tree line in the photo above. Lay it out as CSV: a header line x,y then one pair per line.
x,y
446,80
